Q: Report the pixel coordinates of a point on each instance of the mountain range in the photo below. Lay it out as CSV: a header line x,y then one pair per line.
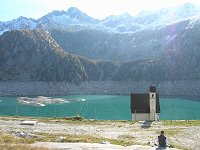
x,y
74,19
72,46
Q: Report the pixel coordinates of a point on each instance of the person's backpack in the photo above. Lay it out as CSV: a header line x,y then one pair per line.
x,y
162,140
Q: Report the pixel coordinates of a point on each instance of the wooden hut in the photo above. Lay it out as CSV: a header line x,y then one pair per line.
x,y
145,106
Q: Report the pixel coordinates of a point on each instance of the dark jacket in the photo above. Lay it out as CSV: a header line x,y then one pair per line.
x,y
162,140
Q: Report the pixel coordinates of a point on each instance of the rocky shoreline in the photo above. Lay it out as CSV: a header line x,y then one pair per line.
x,y
186,88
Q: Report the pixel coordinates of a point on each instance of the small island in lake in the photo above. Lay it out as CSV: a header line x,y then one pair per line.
x,y
40,100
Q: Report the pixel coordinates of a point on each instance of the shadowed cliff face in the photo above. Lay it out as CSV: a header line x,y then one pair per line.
x,y
34,55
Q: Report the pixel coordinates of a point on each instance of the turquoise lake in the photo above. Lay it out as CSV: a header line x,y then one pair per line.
x,y
106,107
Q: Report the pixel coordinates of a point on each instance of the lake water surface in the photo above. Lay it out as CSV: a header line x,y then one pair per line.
x,y
106,107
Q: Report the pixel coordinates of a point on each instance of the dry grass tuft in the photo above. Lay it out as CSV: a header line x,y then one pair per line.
x,y
182,123
70,138
6,138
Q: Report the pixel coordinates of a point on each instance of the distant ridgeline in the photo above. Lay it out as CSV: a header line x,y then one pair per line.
x,y
79,59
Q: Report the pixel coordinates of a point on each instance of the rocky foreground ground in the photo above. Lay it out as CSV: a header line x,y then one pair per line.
x,y
91,134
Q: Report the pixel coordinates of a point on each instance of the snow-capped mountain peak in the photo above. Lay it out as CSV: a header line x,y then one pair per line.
x,y
73,11
19,23
75,18
56,13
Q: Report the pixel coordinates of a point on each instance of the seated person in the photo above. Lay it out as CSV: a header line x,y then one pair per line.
x,y
162,140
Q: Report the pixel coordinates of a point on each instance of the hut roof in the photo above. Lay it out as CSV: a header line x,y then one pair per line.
x,y
140,103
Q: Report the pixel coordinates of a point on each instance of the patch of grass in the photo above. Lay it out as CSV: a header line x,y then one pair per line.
x,y
171,132
10,139
70,138
81,138
92,139
129,137
47,137
182,123
75,120
121,142
81,120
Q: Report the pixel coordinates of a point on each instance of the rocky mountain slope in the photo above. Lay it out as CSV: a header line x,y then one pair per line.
x,y
34,55
93,44
178,61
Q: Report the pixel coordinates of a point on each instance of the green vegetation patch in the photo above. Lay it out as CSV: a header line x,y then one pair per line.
x,y
171,132
182,123
71,138
6,138
71,120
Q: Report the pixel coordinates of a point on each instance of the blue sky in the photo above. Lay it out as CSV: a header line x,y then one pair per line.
x,y
12,9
